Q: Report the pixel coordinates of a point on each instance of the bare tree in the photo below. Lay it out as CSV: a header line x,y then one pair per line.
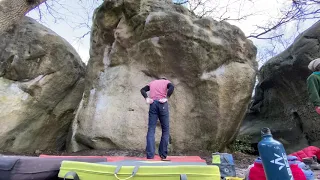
x,y
274,32
216,9
76,14
299,11
11,11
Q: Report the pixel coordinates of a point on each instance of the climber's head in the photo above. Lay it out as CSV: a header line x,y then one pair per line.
x,y
163,77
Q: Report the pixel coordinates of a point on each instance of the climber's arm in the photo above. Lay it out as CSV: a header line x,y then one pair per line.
x,y
170,89
144,91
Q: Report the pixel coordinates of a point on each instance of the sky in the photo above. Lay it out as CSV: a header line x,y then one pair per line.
x,y
71,19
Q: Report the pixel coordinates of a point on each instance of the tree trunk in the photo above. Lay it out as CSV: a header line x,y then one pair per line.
x,y
11,11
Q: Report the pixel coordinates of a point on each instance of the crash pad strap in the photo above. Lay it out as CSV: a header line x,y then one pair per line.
x,y
134,172
183,177
73,174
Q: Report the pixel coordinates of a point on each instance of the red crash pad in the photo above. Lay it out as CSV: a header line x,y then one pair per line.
x,y
121,158
66,157
157,158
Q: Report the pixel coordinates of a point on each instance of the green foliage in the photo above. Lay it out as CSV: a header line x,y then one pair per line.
x,y
242,144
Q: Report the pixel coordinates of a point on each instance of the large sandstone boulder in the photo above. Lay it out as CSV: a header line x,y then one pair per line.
x,y
211,64
281,97
41,85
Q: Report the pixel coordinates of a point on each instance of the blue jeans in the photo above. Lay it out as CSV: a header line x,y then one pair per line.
x,y
161,111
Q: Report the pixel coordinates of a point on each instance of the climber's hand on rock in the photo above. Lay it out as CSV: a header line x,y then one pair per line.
x,y
318,109
149,100
163,100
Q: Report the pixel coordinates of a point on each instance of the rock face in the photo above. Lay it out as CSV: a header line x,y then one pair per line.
x,y
211,64
281,97
41,85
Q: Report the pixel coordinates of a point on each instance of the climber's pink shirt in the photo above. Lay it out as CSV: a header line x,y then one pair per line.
x,y
158,89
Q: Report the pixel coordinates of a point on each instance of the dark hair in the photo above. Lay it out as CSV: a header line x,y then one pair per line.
x,y
163,78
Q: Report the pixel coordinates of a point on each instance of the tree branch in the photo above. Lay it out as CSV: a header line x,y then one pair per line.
x,y
300,10
258,37
13,11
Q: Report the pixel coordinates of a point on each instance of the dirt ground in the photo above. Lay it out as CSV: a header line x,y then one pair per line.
x,y
242,161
